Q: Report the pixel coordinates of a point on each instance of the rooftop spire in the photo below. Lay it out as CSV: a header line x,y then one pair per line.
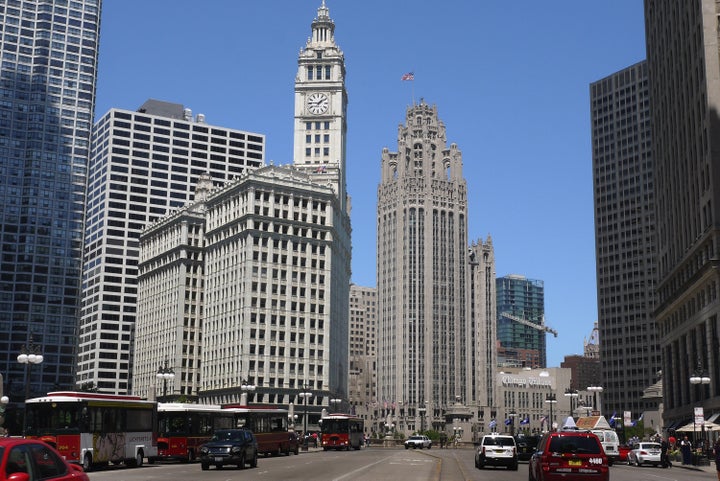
x,y
323,28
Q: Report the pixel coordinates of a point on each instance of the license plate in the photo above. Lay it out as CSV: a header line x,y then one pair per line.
x,y
574,462
218,460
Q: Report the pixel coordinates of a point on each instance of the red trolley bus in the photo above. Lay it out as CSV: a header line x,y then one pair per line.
x,y
94,429
182,428
342,431
270,427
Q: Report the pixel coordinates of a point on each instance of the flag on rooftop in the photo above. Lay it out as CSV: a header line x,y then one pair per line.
x,y
408,76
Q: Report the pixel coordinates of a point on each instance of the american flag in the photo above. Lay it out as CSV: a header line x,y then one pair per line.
x,y
408,76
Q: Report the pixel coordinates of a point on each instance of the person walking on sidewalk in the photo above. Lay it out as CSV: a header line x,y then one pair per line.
x,y
664,458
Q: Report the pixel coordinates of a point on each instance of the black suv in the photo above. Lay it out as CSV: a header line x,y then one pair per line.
x,y
229,446
526,445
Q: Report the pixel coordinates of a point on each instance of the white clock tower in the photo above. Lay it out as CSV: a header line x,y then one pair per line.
x,y
321,107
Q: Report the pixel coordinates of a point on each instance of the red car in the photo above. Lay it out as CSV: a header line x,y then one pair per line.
x,y
623,449
31,460
569,455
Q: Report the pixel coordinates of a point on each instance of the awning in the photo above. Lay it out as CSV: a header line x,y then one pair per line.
x,y
708,426
677,424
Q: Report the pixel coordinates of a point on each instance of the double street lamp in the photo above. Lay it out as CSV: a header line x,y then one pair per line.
x,y
572,394
700,377
334,403
246,388
305,395
595,390
29,355
165,373
551,399
422,411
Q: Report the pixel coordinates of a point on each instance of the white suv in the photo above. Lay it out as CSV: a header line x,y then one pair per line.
x,y
418,441
497,450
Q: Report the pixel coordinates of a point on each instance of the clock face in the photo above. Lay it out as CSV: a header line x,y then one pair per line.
x,y
317,103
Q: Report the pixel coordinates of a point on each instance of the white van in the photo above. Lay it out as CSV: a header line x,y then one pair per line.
x,y
611,443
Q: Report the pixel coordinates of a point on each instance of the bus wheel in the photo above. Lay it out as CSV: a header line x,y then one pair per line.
x,y
87,462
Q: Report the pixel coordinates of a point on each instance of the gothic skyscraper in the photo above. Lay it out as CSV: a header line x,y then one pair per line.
x,y
429,349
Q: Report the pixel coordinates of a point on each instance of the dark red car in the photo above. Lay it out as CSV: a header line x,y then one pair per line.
x,y
32,460
569,455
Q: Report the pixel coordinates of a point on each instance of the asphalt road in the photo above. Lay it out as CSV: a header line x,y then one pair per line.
x,y
374,464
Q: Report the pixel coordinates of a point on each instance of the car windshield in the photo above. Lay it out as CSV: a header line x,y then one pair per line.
x,y
498,441
228,436
575,445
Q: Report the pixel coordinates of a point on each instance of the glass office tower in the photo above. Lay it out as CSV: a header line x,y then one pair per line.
x,y
47,95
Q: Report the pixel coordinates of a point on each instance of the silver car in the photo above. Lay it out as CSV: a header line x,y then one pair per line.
x,y
645,453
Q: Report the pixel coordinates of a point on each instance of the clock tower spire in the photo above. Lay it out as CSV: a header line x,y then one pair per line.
x,y
321,107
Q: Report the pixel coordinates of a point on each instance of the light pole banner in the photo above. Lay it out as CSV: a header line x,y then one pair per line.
x,y
699,416
627,419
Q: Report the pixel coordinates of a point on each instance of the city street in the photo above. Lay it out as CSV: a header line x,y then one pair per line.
x,y
375,464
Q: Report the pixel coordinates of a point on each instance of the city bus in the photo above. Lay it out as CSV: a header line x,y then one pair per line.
x,y
269,425
182,428
342,431
94,429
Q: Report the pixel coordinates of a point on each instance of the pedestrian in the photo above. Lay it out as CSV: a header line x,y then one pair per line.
x,y
717,457
664,458
686,450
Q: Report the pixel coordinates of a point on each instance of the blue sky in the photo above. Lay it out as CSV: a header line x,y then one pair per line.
x,y
510,80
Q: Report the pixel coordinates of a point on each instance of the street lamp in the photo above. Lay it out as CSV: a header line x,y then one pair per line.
x,y
572,394
700,377
335,402
551,399
165,373
422,411
305,395
29,355
595,390
246,388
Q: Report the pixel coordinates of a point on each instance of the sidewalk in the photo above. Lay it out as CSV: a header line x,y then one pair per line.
x,y
707,469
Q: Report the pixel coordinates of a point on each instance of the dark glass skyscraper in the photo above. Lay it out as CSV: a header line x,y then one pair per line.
x,y
47,95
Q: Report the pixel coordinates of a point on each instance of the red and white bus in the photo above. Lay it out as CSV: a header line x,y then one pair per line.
x,y
269,425
342,431
182,428
94,429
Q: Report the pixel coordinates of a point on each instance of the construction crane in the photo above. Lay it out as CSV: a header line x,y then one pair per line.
x,y
525,322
